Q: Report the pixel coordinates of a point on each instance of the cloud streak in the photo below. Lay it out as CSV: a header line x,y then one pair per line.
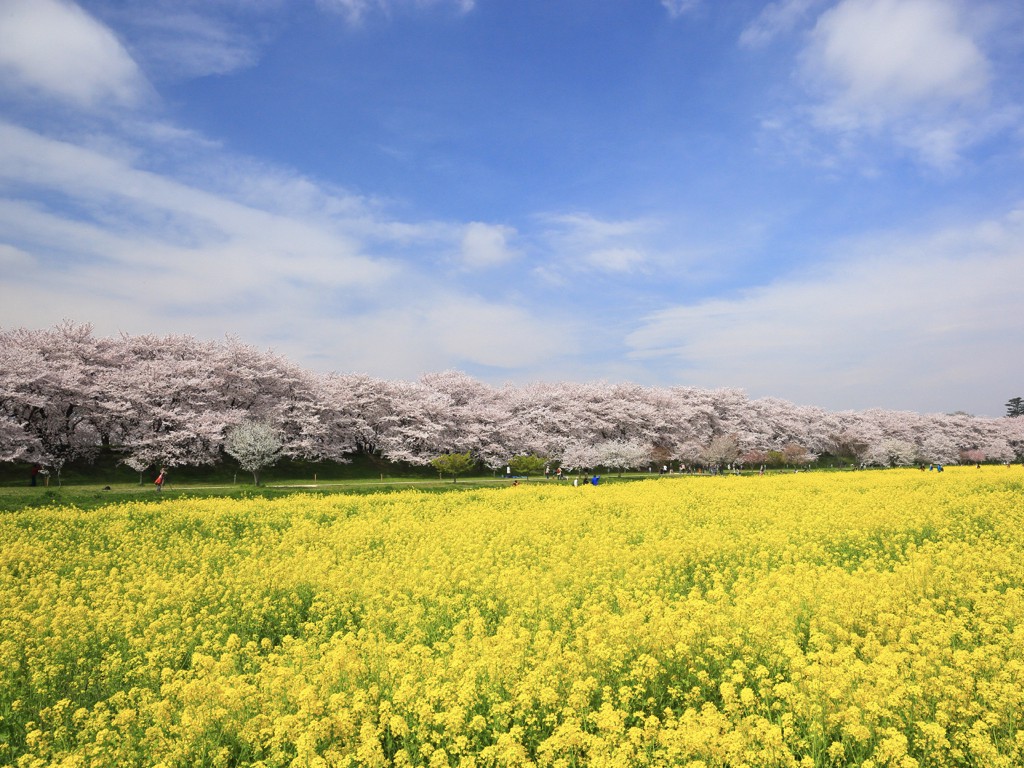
x,y
677,8
776,19
356,11
180,42
614,246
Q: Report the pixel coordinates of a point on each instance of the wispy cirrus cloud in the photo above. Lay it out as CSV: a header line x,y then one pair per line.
x,y
357,10
776,19
581,239
179,41
677,8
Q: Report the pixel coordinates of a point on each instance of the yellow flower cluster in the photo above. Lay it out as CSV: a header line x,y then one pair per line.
x,y
868,619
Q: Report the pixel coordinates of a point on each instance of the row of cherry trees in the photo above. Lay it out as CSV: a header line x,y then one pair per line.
x,y
66,393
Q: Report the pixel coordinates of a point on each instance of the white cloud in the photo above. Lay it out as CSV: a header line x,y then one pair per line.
x,y
156,225
430,330
901,321
879,59
929,80
678,8
908,71
54,47
487,245
357,10
14,260
609,246
775,19
616,259
585,229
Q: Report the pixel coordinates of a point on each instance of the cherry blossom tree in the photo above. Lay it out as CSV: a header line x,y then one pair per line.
x,y
447,412
50,388
753,457
542,418
1012,431
854,439
696,417
723,449
580,455
175,413
998,449
358,413
471,418
892,452
623,454
938,448
796,455
15,443
973,456
265,387
414,434
21,395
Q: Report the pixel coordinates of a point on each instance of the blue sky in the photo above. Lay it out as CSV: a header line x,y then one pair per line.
x,y
819,200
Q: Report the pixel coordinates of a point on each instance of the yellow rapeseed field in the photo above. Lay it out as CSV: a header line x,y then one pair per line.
x,y
854,619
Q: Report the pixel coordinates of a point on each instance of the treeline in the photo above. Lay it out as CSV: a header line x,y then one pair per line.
x,y
66,394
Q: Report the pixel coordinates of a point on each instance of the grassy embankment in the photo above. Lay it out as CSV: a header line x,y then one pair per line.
x,y
104,481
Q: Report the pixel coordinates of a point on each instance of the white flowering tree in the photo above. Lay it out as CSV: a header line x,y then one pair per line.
x,y
723,449
892,452
254,445
49,388
580,455
623,454
998,449
173,414
938,449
